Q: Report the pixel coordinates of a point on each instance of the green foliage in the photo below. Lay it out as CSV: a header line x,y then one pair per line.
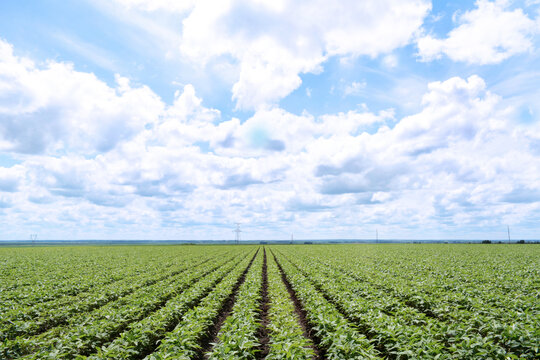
x,y
184,342
360,301
433,301
237,338
287,340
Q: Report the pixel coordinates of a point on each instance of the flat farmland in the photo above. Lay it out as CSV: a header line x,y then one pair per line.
x,y
380,301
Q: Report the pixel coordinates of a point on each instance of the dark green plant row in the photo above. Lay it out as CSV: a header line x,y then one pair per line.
x,y
86,332
32,320
516,332
339,338
38,275
360,302
401,330
237,338
287,340
185,341
467,277
140,338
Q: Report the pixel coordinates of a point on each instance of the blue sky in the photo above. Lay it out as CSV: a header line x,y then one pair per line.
x,y
158,119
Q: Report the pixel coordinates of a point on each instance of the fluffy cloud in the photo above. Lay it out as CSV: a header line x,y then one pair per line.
x,y
355,88
271,45
10,178
455,157
170,170
488,34
54,108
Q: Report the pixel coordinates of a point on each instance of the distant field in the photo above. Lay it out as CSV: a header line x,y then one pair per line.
x,y
274,301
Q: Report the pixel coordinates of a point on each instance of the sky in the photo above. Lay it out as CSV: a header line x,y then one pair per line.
x,y
165,119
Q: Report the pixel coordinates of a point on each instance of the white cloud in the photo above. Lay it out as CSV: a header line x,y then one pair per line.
x,y
462,141
52,108
355,88
390,61
488,34
262,48
380,196
269,72
10,178
272,45
169,171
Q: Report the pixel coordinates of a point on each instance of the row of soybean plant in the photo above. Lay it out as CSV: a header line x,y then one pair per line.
x,y
32,320
85,333
395,328
463,327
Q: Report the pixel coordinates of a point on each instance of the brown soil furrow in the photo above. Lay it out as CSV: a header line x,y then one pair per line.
x,y
212,334
152,347
49,324
364,328
302,315
65,321
155,308
263,330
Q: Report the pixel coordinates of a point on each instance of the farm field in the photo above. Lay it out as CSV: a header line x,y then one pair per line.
x,y
380,301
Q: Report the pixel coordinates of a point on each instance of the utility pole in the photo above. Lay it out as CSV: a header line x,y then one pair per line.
x,y
508,228
237,232
377,236
292,239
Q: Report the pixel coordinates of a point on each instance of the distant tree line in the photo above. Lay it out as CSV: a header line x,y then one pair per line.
x,y
504,242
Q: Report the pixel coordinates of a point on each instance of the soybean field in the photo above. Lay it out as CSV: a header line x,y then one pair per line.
x,y
380,301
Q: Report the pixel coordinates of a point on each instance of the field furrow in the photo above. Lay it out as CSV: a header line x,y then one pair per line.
x,y
337,337
87,332
290,332
469,336
191,338
141,338
38,319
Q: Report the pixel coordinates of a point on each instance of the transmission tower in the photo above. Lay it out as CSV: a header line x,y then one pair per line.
x,y
33,237
377,236
237,232
508,228
292,238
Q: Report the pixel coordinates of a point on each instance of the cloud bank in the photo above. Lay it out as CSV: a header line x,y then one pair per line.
x,y
91,156
488,34
326,119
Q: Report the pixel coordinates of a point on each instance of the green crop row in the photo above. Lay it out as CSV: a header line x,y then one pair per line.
x,y
402,331
500,332
89,331
275,302
141,337
185,341
237,338
463,277
287,340
390,333
42,276
28,321
339,339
